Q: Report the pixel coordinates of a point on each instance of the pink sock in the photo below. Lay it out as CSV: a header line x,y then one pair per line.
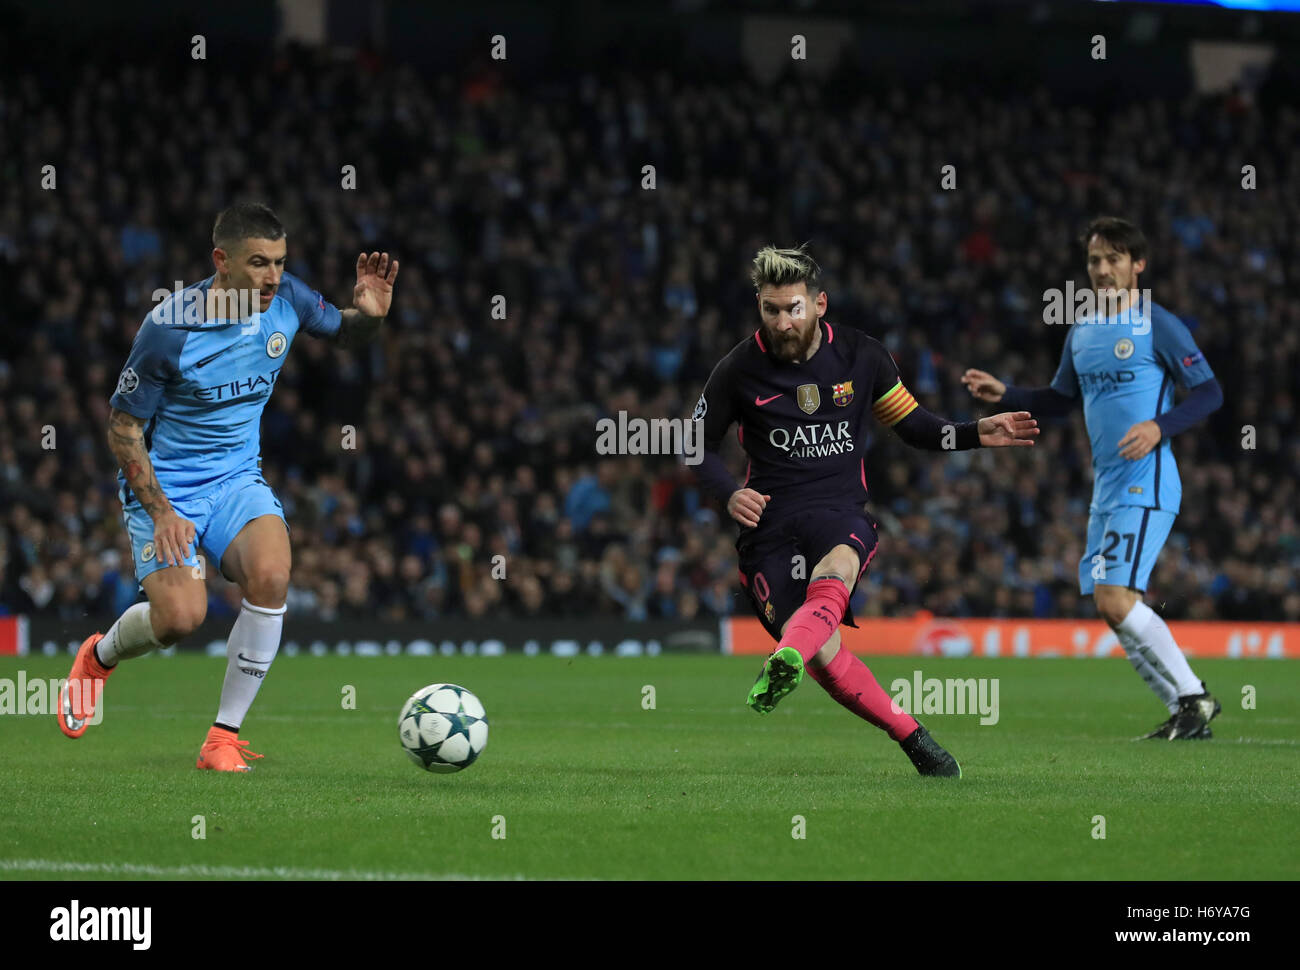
x,y
849,681
819,617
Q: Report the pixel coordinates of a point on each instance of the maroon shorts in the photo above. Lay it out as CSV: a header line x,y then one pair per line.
x,y
777,582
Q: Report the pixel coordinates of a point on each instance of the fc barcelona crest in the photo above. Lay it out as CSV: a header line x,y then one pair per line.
x,y
809,398
842,393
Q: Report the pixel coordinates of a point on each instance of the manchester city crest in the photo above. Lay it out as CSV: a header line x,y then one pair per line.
x,y
276,344
1124,348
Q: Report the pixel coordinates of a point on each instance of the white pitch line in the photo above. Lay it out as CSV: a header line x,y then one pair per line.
x,y
128,869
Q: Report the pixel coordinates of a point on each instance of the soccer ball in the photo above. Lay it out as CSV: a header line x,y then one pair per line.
x,y
443,728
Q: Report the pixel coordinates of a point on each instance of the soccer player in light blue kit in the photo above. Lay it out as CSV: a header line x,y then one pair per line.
x,y
185,429
1123,360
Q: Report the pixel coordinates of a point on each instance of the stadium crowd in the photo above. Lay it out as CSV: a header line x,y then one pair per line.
x,y
457,437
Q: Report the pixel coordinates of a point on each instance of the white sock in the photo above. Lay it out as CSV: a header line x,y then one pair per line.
x,y
250,648
1163,689
131,636
1153,642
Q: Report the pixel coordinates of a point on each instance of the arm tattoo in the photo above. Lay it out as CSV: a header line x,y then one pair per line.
x,y
126,440
357,329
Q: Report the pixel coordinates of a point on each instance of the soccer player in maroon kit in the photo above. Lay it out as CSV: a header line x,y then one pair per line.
x,y
801,392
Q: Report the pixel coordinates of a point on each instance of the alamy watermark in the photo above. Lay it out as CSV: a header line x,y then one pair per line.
x,y
1086,306
189,307
930,695
41,696
651,436
98,924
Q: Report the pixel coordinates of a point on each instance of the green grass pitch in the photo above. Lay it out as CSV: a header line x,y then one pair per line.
x,y
584,782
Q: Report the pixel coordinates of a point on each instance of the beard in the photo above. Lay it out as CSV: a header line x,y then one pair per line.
x,y
1112,296
791,346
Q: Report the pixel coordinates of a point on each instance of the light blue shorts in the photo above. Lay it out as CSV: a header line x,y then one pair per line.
x,y
1129,539
217,516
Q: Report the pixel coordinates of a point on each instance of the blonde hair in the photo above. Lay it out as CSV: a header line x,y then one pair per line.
x,y
786,267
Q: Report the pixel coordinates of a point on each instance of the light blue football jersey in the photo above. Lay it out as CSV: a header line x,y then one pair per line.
x,y
203,383
1126,366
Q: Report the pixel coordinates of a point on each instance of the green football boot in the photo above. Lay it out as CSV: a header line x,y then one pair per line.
x,y
780,675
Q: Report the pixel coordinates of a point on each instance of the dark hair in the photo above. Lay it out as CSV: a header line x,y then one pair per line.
x,y
247,220
1120,233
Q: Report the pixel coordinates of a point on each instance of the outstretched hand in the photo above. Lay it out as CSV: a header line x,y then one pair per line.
x,y
983,385
1010,428
373,294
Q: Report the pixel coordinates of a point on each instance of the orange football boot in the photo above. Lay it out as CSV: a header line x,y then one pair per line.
x,y
223,751
83,689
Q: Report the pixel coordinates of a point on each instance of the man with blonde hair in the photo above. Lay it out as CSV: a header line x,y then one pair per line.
x,y
801,391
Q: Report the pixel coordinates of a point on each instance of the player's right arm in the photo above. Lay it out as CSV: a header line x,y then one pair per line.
x,y
150,366
1055,400
173,535
717,409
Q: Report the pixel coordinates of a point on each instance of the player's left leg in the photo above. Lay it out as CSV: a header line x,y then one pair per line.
x,y
825,603
805,633
1132,539
1092,571
840,542
257,559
